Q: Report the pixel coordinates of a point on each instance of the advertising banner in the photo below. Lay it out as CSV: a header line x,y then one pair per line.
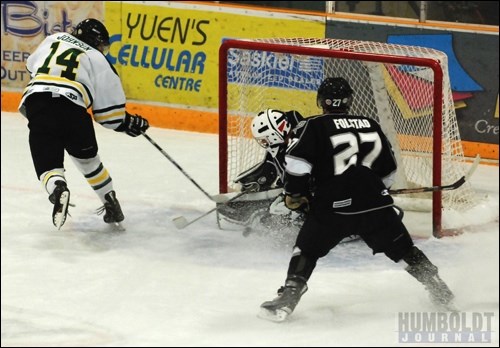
x,y
169,53
26,23
473,69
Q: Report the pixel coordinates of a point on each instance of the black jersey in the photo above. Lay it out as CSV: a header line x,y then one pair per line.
x,y
347,157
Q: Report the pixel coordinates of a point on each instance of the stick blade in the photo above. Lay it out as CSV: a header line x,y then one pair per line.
x,y
278,315
180,222
473,167
223,198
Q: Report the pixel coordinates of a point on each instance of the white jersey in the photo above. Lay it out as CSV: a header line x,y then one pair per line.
x,y
64,65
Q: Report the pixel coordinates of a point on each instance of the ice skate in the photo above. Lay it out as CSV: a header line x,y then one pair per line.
x,y
282,306
60,199
426,273
112,211
439,293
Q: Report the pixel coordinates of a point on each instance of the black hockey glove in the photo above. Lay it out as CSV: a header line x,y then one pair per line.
x,y
250,187
133,125
297,203
258,178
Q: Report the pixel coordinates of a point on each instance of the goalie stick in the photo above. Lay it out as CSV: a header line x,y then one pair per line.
x,y
216,198
181,222
453,186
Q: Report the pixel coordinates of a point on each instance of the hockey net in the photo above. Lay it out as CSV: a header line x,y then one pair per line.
x,y
405,88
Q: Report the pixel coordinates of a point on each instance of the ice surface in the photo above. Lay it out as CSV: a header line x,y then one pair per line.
x,y
155,285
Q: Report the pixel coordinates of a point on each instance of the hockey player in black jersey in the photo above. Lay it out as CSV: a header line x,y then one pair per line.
x,y
352,165
70,74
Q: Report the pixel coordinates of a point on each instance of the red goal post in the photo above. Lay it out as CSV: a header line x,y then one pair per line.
x,y
405,88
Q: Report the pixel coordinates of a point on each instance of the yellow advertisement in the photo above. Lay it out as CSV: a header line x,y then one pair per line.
x,y
169,53
26,23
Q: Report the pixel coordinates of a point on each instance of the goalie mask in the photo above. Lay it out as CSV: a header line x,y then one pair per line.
x,y
334,95
270,128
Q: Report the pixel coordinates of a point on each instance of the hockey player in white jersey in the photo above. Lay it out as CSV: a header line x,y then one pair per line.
x,y
69,75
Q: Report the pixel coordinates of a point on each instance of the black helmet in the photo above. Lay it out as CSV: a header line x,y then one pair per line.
x,y
334,94
92,32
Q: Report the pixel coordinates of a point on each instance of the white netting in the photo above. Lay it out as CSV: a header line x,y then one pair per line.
x,y
399,96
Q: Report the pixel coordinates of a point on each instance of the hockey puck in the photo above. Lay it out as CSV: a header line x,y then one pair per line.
x,y
246,231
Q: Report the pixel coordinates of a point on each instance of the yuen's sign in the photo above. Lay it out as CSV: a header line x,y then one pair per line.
x,y
170,54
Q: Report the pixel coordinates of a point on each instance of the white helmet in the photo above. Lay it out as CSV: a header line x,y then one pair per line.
x,y
270,128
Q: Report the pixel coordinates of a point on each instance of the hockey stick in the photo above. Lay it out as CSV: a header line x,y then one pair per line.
x,y
216,198
453,186
181,222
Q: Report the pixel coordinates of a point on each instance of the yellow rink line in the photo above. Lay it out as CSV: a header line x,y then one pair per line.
x,y
208,122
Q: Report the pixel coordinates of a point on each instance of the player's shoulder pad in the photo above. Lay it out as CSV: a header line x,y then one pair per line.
x,y
300,125
294,118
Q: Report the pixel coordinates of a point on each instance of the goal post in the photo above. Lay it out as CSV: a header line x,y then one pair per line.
x,y
404,88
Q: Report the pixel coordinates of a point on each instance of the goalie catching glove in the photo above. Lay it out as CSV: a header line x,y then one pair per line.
x,y
297,203
133,125
261,177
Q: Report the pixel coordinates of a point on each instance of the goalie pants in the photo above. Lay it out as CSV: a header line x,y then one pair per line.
x,y
382,230
57,124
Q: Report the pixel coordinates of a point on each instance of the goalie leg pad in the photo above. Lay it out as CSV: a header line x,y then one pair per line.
x,y
241,212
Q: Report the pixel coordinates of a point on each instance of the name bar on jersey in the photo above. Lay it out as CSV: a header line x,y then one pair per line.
x,y
343,123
